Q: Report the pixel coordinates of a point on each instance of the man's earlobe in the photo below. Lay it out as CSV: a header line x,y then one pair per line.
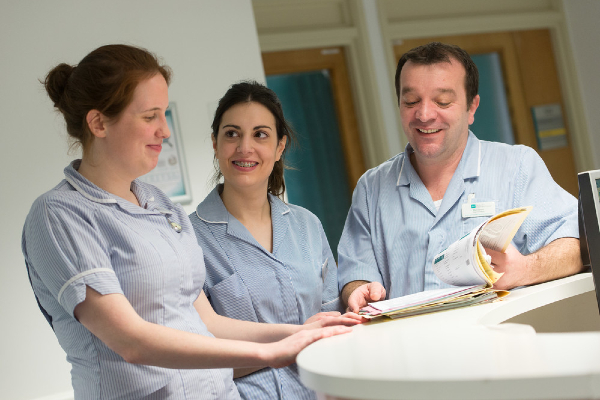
x,y
96,123
473,108
475,103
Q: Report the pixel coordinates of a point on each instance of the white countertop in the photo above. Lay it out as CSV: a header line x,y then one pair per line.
x,y
468,353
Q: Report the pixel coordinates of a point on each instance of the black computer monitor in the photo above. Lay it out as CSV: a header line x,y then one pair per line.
x,y
589,224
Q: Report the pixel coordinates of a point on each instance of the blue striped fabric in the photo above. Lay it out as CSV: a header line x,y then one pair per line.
x,y
394,230
245,281
78,235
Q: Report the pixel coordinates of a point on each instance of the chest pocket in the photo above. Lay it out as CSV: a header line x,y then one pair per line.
x,y
231,298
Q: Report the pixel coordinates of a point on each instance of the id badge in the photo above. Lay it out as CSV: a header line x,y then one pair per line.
x,y
484,209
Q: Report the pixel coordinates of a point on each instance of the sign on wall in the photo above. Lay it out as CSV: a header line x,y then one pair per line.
x,y
170,174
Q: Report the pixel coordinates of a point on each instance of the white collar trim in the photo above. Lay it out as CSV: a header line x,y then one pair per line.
x,y
210,222
86,195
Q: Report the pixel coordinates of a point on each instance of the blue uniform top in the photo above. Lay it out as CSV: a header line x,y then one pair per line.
x,y
245,281
78,235
393,229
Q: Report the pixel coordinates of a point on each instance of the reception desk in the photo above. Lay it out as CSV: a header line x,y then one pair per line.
x,y
540,342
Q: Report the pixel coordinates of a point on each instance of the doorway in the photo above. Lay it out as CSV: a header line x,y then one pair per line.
x,y
314,89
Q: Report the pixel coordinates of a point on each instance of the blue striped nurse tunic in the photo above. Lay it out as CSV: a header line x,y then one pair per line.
x,y
245,281
394,230
78,235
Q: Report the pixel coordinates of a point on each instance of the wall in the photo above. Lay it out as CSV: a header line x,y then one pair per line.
x,y
298,24
294,24
209,44
582,21
405,20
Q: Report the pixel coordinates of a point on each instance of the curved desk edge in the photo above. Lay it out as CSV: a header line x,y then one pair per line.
x,y
529,298
334,366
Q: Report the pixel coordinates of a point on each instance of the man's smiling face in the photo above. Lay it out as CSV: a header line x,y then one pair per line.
x,y
434,111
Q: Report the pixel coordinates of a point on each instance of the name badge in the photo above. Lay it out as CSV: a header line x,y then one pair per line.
x,y
485,209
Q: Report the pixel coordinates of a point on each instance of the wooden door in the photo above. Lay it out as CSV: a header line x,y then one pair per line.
x,y
531,80
332,60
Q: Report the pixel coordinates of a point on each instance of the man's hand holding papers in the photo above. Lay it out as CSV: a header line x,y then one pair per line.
x,y
464,264
364,294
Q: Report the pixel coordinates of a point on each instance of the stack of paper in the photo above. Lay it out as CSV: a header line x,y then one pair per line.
x,y
430,301
463,264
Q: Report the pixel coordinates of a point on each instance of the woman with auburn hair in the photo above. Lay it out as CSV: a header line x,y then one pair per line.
x,y
266,261
115,265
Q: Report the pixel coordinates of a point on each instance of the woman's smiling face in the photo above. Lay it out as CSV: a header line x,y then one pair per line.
x,y
247,146
132,142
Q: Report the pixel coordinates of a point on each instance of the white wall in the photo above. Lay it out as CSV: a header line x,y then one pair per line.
x,y
208,43
582,21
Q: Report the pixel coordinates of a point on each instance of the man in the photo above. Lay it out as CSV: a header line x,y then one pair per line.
x,y
409,208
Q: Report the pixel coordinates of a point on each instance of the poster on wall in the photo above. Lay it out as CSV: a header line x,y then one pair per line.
x,y
170,174
549,126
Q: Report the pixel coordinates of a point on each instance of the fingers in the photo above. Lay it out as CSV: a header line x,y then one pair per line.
x,y
356,298
349,319
492,253
353,316
286,350
307,337
322,315
334,331
346,320
500,286
356,301
362,295
376,291
328,314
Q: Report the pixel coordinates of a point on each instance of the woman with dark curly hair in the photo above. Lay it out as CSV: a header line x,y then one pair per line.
x,y
266,261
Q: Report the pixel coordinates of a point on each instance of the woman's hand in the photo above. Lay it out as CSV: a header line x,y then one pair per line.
x,y
331,318
321,315
283,353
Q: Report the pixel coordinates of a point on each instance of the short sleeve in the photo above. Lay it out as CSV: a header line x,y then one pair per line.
x,y
65,247
356,256
554,213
